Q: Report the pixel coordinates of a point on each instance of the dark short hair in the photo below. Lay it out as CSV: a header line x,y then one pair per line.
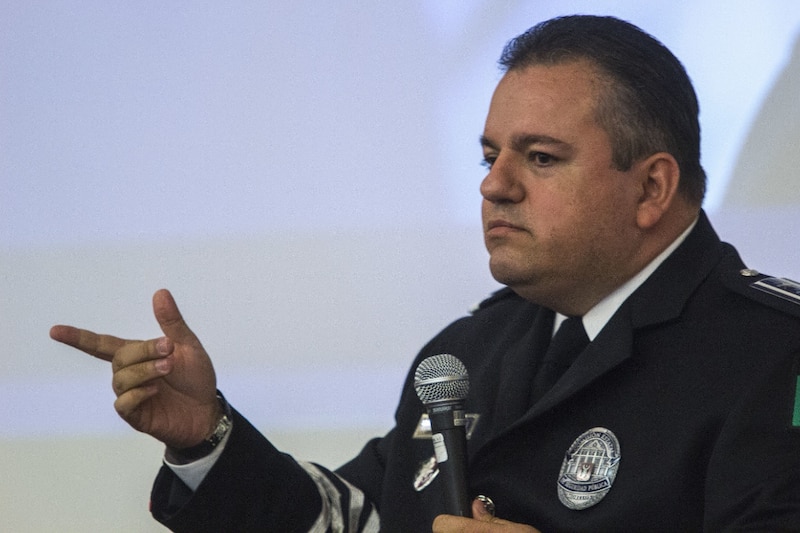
x,y
649,106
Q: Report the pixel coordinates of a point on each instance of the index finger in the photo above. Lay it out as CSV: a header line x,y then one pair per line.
x,y
101,346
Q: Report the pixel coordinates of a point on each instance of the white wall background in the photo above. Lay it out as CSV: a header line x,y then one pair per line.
x,y
304,177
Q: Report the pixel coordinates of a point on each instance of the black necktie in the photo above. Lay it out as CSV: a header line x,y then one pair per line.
x,y
568,342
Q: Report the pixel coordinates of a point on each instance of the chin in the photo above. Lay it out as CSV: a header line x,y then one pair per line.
x,y
506,274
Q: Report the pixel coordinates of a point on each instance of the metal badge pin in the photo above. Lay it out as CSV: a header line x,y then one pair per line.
x,y
427,471
589,469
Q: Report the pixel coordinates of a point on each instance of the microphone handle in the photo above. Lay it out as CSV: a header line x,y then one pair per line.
x,y
450,447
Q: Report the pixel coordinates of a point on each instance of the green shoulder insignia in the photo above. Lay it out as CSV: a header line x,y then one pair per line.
x,y
796,410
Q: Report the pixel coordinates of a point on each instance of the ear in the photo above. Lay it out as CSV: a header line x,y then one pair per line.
x,y
660,175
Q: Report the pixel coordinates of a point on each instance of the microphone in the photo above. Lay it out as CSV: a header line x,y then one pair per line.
x,y
442,384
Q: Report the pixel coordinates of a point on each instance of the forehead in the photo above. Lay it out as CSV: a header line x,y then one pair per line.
x,y
560,96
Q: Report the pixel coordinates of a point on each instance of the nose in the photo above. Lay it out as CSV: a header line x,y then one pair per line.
x,y
502,184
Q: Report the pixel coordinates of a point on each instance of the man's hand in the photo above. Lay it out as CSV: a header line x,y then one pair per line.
x,y
483,522
165,387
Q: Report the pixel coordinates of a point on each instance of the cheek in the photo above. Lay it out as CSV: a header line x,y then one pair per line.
x,y
563,213
607,202
607,219
584,220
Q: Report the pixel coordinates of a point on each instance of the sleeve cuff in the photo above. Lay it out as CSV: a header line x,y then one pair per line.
x,y
193,473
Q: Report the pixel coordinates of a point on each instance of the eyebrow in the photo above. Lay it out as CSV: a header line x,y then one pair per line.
x,y
520,142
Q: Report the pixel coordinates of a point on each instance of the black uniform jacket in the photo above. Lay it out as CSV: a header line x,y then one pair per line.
x,y
696,376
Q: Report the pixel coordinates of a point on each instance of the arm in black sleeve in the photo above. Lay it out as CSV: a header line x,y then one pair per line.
x,y
753,481
254,487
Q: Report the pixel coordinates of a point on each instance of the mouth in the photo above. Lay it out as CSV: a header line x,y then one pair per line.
x,y
498,227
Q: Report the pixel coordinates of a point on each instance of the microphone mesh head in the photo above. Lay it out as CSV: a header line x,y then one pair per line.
x,y
441,378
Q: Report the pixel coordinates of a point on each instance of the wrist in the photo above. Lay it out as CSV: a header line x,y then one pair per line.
x,y
222,426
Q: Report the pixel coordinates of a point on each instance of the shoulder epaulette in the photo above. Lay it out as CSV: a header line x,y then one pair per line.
x,y
495,297
779,293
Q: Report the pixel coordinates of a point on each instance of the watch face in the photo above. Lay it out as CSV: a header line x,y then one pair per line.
x,y
223,426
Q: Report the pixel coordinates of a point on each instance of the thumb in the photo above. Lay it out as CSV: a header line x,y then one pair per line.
x,y
169,318
482,509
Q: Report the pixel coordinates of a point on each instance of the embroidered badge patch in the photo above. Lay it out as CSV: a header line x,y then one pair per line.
x,y
796,409
589,468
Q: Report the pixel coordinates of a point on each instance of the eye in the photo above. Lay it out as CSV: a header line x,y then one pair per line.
x,y
541,159
488,161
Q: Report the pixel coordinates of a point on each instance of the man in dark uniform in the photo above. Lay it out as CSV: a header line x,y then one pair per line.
x,y
679,409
